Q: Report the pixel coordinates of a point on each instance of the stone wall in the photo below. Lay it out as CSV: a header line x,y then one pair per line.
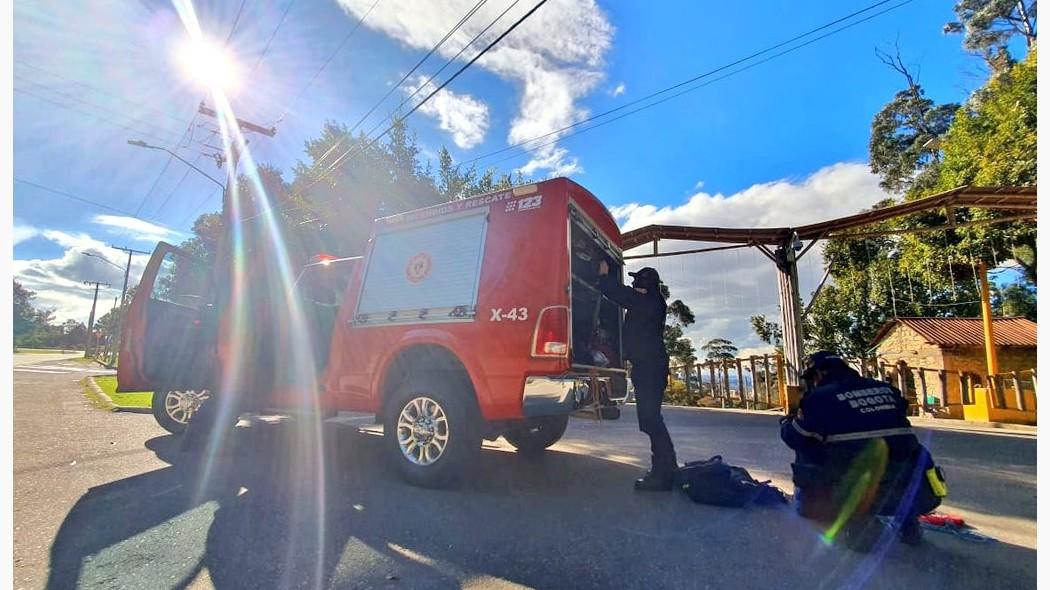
x,y
904,344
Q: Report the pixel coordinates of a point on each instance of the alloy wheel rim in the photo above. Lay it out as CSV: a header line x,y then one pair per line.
x,y
181,405
422,431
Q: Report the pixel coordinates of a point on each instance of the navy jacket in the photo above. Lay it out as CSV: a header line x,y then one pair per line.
x,y
842,415
643,329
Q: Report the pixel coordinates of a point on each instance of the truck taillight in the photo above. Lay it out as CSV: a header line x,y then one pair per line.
x,y
552,333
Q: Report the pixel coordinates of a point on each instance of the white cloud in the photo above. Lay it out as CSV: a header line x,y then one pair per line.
x,y
725,288
21,233
620,89
462,115
136,228
59,282
556,56
699,185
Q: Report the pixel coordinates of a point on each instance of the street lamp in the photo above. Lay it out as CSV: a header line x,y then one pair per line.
x,y
148,146
104,259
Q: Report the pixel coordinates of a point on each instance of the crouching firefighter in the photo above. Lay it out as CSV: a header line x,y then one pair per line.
x,y
643,345
857,457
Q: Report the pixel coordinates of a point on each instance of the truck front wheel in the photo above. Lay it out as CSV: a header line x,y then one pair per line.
x,y
533,435
431,432
173,409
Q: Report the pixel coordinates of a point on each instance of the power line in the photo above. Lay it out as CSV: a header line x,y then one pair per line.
x,y
419,63
266,47
92,88
196,210
526,150
178,185
327,61
86,111
394,88
702,76
346,155
167,164
233,28
451,60
75,197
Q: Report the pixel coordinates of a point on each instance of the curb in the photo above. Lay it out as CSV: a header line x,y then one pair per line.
x,y
972,426
115,408
921,422
770,412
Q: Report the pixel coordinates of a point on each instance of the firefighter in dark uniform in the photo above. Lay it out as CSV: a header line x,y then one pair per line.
x,y
856,455
643,345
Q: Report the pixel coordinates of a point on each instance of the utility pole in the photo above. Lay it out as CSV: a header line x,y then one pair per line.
x,y
91,317
110,340
231,171
127,271
124,290
221,270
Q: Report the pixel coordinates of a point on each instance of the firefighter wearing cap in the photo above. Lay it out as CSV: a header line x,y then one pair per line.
x,y
856,454
643,345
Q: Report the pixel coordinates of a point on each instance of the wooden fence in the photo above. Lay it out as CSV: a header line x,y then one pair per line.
x,y
757,377
1014,390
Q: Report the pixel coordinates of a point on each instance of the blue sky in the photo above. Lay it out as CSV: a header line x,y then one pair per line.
x,y
786,140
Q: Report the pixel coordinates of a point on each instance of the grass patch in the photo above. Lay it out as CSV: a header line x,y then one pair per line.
x,y
134,399
96,400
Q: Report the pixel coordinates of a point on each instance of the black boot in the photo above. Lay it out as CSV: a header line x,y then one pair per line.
x,y
911,532
660,478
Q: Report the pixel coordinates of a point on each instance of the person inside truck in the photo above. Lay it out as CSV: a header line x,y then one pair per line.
x,y
643,345
856,455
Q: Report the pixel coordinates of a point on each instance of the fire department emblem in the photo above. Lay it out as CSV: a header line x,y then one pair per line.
x,y
418,267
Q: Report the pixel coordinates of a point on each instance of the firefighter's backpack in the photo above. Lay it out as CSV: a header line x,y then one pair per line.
x,y
716,482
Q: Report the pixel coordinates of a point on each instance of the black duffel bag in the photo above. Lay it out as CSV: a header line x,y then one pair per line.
x,y
717,483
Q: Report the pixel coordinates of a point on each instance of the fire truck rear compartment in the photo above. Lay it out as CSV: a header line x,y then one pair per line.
x,y
596,321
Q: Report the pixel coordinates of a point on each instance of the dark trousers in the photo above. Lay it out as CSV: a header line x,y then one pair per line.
x,y
650,381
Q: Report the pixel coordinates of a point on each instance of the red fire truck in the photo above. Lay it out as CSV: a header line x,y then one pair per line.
x,y
464,321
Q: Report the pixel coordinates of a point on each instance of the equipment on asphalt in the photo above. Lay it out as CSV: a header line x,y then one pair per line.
x,y
716,482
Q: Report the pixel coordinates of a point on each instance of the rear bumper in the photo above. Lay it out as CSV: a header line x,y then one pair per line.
x,y
552,395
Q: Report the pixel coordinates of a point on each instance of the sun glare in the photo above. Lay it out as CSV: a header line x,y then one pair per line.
x,y
208,64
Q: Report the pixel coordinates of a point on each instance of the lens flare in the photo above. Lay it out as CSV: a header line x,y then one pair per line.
x,y
209,64
261,309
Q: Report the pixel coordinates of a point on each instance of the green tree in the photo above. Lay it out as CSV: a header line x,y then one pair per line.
x,y
988,25
24,315
453,182
991,143
900,149
718,349
1015,300
767,331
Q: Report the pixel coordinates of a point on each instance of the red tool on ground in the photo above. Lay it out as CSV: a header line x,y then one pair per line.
x,y
938,519
954,525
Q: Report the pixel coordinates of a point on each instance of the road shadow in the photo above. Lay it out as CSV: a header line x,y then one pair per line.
x,y
274,511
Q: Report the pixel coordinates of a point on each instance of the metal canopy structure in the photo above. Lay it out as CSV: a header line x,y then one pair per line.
x,y
787,244
1001,197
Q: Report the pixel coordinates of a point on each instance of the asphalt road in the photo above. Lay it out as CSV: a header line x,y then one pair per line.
x,y
98,504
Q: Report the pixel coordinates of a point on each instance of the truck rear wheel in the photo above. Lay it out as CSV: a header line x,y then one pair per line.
x,y
432,432
533,435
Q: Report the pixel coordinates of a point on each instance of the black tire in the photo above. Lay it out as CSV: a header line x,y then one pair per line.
x,y
534,435
421,464
162,413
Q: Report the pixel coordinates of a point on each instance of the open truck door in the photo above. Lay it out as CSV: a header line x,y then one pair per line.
x,y
168,337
